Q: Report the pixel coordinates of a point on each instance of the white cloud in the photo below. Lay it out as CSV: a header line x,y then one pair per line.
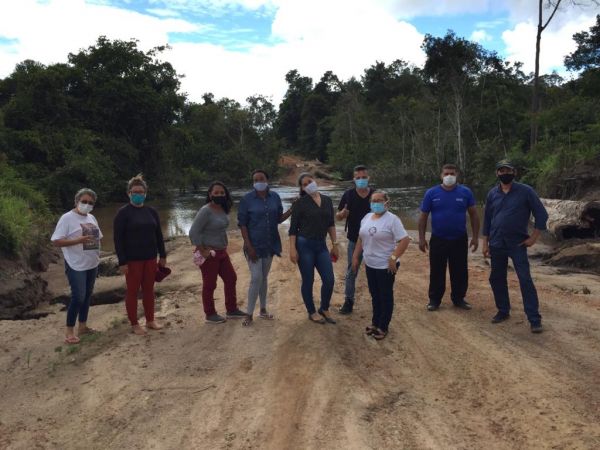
x,y
345,36
480,36
47,32
312,36
557,42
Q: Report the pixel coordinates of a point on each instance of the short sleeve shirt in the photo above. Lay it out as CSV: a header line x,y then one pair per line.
x,y
379,238
72,225
448,210
310,220
358,207
261,217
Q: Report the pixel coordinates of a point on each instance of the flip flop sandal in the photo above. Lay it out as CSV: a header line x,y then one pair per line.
x,y
370,330
72,340
379,335
247,322
266,316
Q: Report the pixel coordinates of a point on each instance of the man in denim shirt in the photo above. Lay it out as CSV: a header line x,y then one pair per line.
x,y
259,213
505,235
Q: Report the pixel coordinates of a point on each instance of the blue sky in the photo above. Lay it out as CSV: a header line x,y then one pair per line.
x,y
237,48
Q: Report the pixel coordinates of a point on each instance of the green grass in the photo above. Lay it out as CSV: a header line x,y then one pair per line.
x,y
16,224
23,213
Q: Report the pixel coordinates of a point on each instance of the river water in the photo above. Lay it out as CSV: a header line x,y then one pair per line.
x,y
177,213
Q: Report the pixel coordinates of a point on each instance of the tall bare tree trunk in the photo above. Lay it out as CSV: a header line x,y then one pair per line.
x,y
459,146
437,144
535,96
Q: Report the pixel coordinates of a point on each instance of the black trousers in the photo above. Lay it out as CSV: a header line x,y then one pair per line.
x,y
381,288
451,253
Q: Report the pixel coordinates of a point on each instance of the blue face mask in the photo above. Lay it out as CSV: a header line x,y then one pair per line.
x,y
138,199
377,208
361,183
261,186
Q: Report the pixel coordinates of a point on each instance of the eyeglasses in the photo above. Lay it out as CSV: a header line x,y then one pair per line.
x,y
86,202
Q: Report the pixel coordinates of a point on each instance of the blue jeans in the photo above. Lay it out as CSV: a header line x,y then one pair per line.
x,y
381,288
313,253
82,286
499,283
350,275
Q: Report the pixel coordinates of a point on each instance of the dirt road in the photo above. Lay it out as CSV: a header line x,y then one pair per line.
x,y
443,380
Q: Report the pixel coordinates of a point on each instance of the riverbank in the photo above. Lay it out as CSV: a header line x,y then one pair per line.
x,y
448,379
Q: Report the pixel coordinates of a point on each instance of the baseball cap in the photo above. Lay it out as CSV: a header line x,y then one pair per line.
x,y
504,163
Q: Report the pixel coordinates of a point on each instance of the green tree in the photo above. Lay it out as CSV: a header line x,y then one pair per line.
x,y
290,110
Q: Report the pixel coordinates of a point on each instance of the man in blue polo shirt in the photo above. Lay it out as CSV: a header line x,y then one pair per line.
x,y
508,209
448,204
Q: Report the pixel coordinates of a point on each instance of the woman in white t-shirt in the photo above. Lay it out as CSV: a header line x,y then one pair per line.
x,y
78,235
382,240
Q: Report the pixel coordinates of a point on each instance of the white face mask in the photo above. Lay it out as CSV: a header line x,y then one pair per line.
x,y
84,208
311,188
261,186
449,180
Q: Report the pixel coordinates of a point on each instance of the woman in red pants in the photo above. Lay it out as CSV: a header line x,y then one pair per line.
x,y
138,242
209,233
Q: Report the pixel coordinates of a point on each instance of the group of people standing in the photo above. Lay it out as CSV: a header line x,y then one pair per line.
x,y
375,235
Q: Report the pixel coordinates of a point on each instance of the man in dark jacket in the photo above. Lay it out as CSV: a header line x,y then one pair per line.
x,y
508,208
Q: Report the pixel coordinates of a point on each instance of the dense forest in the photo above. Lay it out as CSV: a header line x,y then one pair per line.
x,y
113,110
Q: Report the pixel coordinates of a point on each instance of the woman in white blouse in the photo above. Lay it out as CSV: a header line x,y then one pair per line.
x,y
382,240
78,235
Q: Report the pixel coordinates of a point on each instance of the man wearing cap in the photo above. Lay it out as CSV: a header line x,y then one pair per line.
x,y
508,208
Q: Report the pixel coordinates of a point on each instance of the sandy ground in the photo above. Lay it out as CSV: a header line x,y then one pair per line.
x,y
443,380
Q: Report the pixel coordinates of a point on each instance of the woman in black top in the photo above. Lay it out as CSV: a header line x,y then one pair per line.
x,y
138,241
312,219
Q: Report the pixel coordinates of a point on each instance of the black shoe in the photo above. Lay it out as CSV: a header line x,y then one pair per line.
x,y
463,305
536,328
215,318
346,308
432,307
237,314
500,317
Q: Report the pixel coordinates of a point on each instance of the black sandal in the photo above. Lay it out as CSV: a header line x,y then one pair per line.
x,y
370,330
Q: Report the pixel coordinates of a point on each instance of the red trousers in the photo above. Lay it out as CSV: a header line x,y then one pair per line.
x,y
140,274
219,265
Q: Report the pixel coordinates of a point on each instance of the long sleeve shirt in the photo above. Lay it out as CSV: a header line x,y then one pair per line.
x,y
507,215
261,216
310,220
209,228
137,234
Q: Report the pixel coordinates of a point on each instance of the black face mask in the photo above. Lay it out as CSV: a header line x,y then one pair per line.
x,y
220,200
506,178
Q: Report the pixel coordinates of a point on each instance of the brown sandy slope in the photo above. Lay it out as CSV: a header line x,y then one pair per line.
x,y
443,380
292,166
